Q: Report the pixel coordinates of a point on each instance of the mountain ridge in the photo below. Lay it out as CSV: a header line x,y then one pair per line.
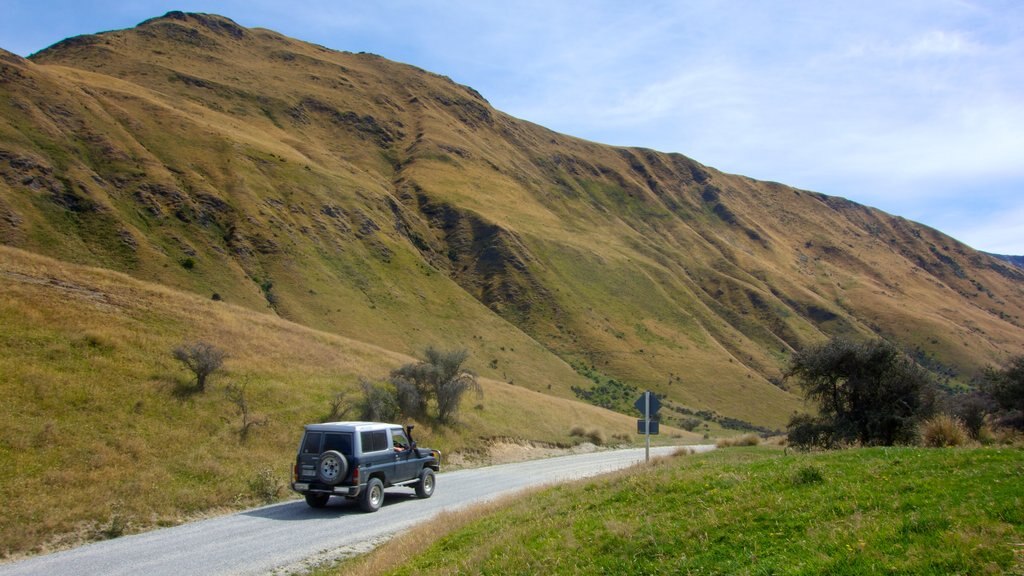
x,y
352,194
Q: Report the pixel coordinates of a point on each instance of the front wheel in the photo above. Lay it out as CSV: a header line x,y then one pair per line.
x,y
425,487
317,499
373,496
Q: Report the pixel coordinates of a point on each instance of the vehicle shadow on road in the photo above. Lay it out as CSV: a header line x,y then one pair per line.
x,y
298,510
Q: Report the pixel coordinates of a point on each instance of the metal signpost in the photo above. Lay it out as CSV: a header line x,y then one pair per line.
x,y
648,405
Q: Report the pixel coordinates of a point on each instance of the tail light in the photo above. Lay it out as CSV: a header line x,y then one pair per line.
x,y
355,475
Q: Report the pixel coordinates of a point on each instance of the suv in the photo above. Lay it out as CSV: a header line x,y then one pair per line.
x,y
359,460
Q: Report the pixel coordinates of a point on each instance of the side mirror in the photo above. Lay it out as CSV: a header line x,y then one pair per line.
x,y
408,432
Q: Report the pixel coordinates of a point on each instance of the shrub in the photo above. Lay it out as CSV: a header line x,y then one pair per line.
x,y
805,432
943,430
868,392
744,440
690,424
340,407
202,358
1006,387
597,436
807,475
265,485
236,394
440,377
378,403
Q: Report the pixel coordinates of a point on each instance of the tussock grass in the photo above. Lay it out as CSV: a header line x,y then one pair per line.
x,y
750,511
943,430
744,440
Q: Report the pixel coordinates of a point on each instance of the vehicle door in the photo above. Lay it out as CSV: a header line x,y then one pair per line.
x,y
407,465
377,456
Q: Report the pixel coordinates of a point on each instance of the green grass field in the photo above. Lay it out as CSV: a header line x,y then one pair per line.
x,y
748,511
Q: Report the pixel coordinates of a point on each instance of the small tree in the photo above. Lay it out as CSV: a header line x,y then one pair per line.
x,y
236,394
440,377
202,358
866,392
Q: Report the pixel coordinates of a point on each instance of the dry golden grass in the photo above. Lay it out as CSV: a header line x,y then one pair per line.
x,y
743,440
97,409
943,430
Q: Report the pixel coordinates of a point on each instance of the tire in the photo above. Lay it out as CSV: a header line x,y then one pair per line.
x,y
425,487
373,496
332,467
317,500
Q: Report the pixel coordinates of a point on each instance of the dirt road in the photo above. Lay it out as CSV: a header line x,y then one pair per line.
x,y
286,538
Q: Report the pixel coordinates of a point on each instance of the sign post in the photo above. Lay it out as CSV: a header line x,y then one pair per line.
x,y
648,405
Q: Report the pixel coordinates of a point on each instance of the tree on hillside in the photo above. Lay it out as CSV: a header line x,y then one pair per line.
x,y
202,358
1006,387
440,377
866,392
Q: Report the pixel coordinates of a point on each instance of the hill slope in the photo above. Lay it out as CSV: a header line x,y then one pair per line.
x,y
98,415
388,204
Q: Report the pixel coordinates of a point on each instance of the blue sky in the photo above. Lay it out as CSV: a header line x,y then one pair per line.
x,y
914,107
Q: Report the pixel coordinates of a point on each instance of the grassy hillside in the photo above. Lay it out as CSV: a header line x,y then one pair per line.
x,y
744,511
103,435
384,203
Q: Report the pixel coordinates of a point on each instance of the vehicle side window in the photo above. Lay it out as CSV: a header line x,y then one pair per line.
x,y
398,439
311,444
374,440
342,442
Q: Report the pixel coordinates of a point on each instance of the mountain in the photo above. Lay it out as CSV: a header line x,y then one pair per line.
x,y
390,205
1017,261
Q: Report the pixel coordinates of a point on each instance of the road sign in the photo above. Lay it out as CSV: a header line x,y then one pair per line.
x,y
641,404
645,427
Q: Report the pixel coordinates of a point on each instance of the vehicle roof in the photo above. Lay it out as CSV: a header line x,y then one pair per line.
x,y
350,426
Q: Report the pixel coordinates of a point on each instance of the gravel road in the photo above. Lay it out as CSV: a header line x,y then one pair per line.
x,y
291,537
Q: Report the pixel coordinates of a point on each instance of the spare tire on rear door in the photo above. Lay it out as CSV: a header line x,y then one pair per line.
x,y
332,467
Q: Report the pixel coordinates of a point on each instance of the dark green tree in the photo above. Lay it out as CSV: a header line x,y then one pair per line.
x,y
867,392
1006,387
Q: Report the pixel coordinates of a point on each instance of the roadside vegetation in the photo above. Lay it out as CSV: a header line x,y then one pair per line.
x,y
747,510
870,394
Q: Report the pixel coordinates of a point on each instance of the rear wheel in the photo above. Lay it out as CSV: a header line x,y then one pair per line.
x,y
373,496
317,500
425,487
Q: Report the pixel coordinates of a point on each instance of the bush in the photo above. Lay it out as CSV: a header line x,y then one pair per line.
x,y
943,430
868,392
202,358
744,440
1006,387
805,432
378,404
594,435
440,377
807,475
266,486
597,436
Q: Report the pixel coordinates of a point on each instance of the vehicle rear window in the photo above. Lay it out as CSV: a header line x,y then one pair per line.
x,y
311,444
340,441
374,441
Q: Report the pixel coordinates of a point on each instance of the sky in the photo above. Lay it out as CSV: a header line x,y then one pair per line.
x,y
915,107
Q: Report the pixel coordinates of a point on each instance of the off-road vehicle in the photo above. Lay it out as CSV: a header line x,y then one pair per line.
x,y
358,460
